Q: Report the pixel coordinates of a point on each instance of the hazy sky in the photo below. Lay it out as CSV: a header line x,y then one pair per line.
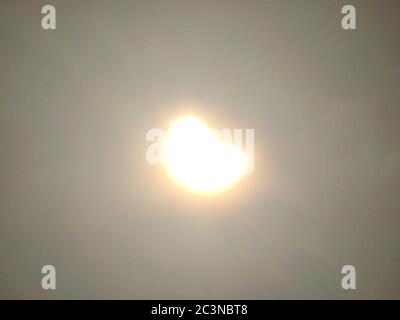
x,y
77,193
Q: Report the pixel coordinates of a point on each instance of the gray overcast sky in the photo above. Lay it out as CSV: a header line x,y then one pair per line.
x,y
77,193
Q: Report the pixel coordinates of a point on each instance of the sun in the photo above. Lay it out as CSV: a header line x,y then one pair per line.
x,y
198,160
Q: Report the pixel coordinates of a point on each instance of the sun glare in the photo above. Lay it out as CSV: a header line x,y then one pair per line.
x,y
198,160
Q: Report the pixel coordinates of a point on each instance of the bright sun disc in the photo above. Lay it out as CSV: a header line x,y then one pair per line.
x,y
198,160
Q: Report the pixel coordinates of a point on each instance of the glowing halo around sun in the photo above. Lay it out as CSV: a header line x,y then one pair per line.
x,y
198,160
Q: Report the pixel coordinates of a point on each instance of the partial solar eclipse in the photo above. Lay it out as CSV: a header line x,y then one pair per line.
x,y
198,160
